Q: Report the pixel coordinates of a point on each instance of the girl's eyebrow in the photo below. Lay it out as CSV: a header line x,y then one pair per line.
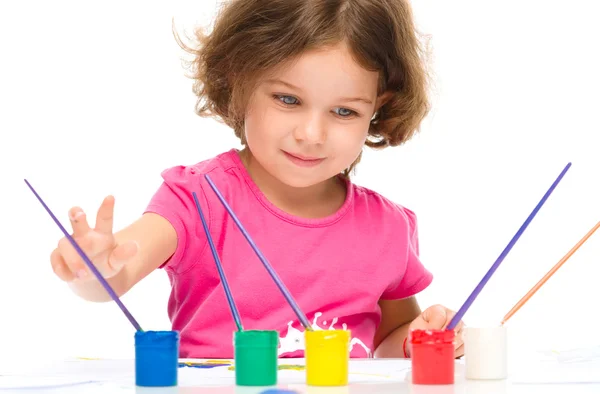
x,y
292,86
363,99
277,81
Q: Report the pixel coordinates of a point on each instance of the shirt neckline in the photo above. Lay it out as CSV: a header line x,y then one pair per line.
x,y
307,222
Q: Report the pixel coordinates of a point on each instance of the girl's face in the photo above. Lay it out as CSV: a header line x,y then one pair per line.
x,y
309,121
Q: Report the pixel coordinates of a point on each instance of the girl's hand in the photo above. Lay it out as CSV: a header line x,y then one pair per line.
x,y
437,317
99,245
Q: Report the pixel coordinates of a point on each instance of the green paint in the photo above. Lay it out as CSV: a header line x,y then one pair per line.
x,y
256,357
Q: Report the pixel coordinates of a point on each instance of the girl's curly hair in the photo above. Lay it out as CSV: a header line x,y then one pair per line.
x,y
253,37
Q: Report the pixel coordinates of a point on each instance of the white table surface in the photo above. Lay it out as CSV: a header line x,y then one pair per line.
x,y
117,376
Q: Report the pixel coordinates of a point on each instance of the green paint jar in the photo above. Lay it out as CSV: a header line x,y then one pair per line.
x,y
255,355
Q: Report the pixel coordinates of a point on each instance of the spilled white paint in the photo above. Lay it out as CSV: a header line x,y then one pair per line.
x,y
294,339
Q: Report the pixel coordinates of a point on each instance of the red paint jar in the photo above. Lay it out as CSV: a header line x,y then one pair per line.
x,y
432,356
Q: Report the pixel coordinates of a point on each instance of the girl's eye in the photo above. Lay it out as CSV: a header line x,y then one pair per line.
x,y
344,112
287,100
290,100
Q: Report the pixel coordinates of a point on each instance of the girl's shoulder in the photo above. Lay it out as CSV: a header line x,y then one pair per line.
x,y
214,166
377,206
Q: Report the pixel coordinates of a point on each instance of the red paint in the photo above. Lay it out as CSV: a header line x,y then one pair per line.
x,y
432,355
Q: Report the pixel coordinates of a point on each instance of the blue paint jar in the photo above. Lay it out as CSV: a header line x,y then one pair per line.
x,y
156,358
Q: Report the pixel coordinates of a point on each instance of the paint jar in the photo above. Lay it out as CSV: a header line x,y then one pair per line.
x,y
255,354
156,358
485,353
327,355
432,356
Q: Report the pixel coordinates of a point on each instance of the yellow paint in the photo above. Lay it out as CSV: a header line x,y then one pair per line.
x,y
280,367
292,367
217,362
327,357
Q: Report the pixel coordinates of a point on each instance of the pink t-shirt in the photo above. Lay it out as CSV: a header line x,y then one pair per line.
x,y
337,268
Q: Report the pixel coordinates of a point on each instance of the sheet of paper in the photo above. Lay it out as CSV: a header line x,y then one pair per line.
x,y
575,355
67,373
121,373
40,382
553,372
360,370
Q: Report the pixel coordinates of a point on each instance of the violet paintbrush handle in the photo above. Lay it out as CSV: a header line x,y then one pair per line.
x,y
87,261
286,293
232,306
463,309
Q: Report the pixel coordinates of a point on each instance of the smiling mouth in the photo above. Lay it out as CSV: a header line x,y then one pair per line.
x,y
303,161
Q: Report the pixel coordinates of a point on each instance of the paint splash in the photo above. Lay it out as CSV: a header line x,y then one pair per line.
x,y
205,364
294,339
281,367
292,367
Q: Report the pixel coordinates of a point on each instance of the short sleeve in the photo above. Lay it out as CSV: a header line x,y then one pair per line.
x,y
415,277
175,202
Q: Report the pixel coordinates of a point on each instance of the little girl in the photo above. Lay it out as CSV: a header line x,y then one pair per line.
x,y
305,85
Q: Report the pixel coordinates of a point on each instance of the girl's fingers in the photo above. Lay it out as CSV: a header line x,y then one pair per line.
x,y
459,328
78,222
459,343
104,218
71,258
460,351
59,267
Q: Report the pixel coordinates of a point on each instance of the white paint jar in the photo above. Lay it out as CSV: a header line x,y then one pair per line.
x,y
485,353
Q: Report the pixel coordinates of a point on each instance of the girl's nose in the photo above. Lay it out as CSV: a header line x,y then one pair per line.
x,y
311,129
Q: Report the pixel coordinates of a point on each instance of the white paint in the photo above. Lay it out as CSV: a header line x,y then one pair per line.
x,y
294,339
485,353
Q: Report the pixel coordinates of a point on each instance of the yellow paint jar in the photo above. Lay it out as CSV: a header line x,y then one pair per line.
x,y
327,354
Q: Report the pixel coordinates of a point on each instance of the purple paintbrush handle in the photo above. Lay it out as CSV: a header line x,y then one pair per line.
x,y
87,261
463,309
222,276
303,319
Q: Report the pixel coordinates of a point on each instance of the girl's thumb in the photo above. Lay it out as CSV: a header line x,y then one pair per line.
x,y
435,316
122,253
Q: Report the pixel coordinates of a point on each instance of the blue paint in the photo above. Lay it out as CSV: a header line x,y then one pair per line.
x,y
156,358
203,366
278,391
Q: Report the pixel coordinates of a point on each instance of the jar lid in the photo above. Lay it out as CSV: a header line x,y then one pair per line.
x,y
432,336
156,338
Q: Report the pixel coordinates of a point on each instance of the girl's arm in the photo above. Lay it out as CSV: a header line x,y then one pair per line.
x,y
396,317
157,241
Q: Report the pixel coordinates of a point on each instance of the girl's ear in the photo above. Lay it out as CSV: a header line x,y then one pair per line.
x,y
382,99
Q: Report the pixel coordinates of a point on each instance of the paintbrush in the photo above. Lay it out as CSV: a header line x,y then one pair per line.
x,y
463,309
303,319
88,262
537,286
234,311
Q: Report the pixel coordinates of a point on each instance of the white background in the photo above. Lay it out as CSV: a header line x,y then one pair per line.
x,y
94,101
